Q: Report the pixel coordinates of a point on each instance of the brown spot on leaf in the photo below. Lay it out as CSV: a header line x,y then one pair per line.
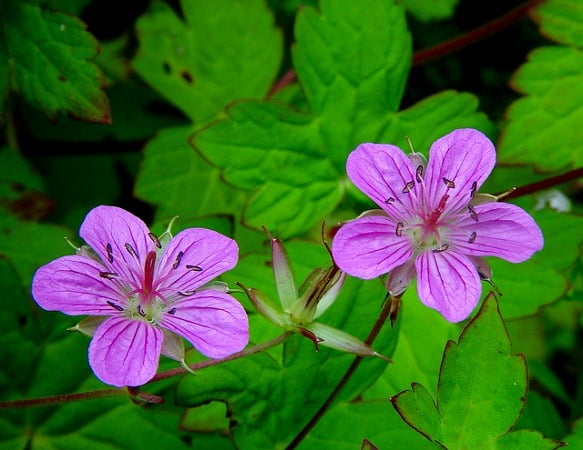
x,y
31,205
187,76
62,78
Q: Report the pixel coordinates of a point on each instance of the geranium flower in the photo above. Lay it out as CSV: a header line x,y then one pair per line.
x,y
146,293
432,224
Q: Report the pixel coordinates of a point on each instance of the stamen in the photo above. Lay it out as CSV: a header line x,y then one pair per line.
x,y
114,305
172,311
141,311
109,251
450,184
194,268
474,187
408,187
419,173
155,240
443,248
390,201
473,213
472,237
131,250
186,293
399,230
178,259
108,275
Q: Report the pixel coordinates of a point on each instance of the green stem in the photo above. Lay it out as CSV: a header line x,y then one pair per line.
x,y
213,362
63,398
386,312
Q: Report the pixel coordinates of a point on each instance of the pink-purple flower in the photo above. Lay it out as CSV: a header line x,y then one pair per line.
x,y
432,225
147,293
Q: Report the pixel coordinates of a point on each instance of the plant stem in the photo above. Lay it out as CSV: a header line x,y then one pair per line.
x,y
388,309
457,43
545,184
213,362
63,398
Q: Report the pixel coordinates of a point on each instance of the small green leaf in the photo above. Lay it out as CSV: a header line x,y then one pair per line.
x,y
575,438
435,10
50,55
221,51
527,440
480,394
560,20
543,128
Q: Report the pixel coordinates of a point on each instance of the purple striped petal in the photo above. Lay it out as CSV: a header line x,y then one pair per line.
x,y
125,352
370,246
502,230
194,257
448,283
213,322
72,285
386,175
120,239
459,163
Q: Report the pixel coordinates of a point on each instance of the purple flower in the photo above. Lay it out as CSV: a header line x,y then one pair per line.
x,y
432,224
147,293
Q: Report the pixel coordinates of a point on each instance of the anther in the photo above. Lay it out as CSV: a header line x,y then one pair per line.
x,y
141,311
473,213
108,275
186,293
178,259
194,268
390,201
172,311
399,229
109,251
408,187
131,250
472,237
450,184
419,173
474,187
443,248
114,305
155,240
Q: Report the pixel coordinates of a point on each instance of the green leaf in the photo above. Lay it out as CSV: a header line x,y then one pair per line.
x,y
560,20
575,438
218,53
346,425
50,55
426,11
294,382
175,177
480,394
543,128
352,63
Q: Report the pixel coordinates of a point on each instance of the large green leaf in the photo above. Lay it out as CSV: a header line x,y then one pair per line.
x,y
221,51
271,396
481,392
50,55
561,21
543,127
352,64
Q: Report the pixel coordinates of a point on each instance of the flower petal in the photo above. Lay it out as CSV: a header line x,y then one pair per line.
x,y
459,163
194,257
449,283
369,246
72,285
213,322
503,230
400,278
120,239
385,174
125,352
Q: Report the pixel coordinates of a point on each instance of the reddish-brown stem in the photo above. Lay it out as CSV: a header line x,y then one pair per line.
x,y
545,184
387,311
63,398
444,48
213,362
494,26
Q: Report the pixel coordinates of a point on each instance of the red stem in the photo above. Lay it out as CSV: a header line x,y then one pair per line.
x,y
545,184
64,398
